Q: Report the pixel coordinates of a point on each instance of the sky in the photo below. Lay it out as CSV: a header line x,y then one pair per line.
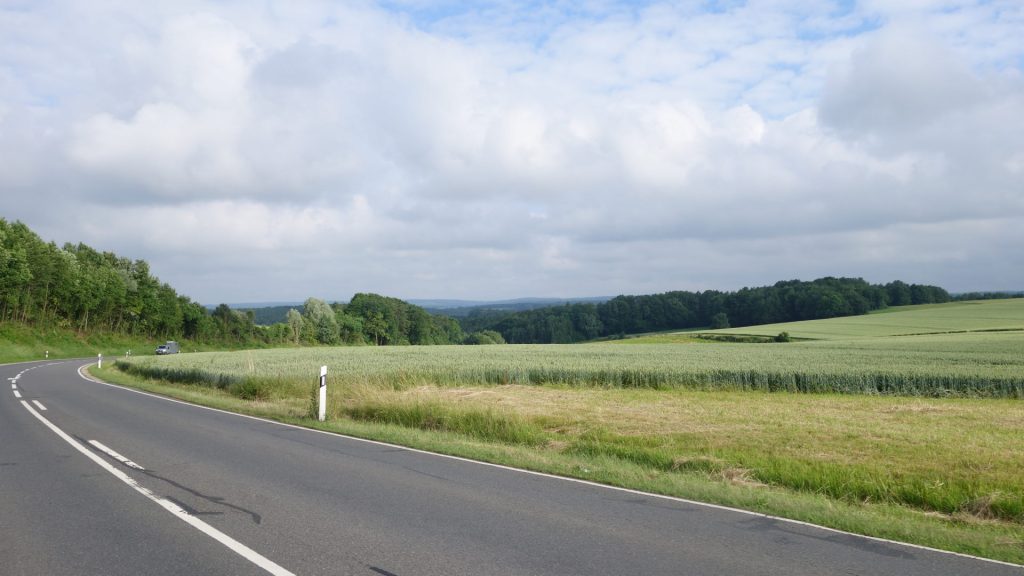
x,y
277,150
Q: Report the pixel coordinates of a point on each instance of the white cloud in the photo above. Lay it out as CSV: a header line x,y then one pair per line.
x,y
901,80
503,150
184,141
163,149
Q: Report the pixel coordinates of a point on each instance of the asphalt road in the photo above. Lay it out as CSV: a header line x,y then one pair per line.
x,y
223,494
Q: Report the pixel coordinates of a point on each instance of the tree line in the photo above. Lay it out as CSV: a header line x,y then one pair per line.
x,y
78,288
370,319
785,301
987,296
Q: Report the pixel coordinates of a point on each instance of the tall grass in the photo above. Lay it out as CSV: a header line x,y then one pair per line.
x,y
179,375
486,424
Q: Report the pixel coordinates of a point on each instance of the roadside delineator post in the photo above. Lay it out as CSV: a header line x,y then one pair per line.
x,y
322,411
47,354
99,362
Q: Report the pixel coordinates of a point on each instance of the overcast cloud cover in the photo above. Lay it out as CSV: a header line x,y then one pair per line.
x,y
258,151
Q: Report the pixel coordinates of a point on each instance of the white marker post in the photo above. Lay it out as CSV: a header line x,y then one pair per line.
x,y
323,393
99,362
47,354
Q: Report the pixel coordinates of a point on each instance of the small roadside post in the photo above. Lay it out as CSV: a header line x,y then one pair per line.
x,y
322,412
99,362
47,354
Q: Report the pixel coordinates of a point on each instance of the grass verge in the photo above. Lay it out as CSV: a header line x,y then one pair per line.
x,y
876,466
24,343
21,343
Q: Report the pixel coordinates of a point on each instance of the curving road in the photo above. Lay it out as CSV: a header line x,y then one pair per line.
x,y
98,479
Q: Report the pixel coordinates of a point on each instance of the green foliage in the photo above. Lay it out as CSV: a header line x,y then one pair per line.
x,y
76,287
717,337
987,296
270,315
313,406
351,328
484,337
293,319
181,375
782,302
483,424
376,327
20,342
234,325
390,321
322,321
251,389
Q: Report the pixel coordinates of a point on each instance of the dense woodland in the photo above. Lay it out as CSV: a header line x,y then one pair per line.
x,y
783,302
76,287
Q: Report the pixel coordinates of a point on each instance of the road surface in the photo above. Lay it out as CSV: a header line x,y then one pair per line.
x,y
98,479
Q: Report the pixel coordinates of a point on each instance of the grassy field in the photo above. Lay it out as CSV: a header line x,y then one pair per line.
x,y
19,343
969,316
931,454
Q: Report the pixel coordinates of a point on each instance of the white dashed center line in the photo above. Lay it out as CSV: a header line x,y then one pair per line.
x,y
227,541
115,455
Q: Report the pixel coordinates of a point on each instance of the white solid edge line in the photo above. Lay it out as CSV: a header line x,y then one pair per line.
x,y
102,448
234,545
554,476
39,405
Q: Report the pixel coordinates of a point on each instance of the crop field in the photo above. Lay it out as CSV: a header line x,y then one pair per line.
x,y
979,364
969,316
912,437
